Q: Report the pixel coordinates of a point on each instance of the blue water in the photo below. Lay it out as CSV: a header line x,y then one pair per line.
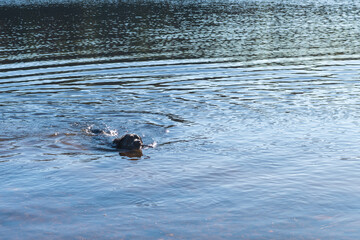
x,y
252,108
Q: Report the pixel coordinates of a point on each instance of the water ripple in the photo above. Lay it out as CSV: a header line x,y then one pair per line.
x,y
252,105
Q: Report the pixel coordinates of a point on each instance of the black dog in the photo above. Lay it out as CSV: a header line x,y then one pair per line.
x,y
128,142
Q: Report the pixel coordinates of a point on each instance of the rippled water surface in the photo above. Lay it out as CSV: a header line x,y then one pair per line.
x,y
252,108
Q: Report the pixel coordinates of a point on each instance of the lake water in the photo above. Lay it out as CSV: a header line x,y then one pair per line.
x,y
253,108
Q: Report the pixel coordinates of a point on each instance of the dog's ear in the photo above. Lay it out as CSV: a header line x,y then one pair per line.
x,y
118,142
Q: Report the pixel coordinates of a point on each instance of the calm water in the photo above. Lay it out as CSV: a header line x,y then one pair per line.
x,y
253,107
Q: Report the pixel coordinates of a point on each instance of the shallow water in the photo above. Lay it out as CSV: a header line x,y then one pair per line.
x,y
252,106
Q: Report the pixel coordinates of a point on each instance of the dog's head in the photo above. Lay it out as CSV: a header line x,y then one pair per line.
x,y
128,141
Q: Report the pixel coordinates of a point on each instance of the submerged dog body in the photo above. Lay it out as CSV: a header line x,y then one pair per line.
x,y
128,142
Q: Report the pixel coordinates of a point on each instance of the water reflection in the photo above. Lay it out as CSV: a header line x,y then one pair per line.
x,y
253,106
160,30
132,155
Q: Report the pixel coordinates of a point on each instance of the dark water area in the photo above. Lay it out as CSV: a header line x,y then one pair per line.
x,y
252,109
